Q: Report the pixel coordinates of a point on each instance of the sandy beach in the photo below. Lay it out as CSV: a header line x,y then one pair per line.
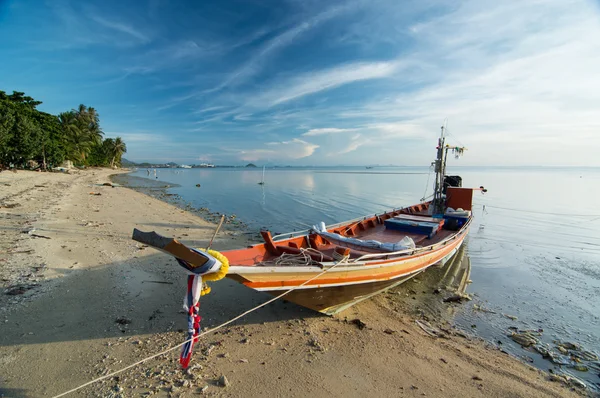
x,y
80,299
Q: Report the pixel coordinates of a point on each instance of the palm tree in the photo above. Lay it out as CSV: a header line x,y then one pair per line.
x,y
77,141
93,125
117,148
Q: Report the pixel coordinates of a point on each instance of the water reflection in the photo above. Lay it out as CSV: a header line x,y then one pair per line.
x,y
436,293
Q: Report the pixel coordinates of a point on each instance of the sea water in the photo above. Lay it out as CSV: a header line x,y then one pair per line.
x,y
534,244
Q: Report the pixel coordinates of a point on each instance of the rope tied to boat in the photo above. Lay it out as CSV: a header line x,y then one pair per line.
x,y
205,332
293,260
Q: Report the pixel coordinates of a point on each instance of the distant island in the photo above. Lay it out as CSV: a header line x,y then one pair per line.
x,y
250,165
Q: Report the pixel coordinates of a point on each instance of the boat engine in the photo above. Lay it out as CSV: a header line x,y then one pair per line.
x,y
451,181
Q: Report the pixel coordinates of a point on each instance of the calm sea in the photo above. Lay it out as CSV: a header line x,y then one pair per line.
x,y
534,246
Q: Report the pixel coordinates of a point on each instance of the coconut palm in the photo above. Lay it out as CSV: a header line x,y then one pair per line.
x,y
117,148
92,121
76,140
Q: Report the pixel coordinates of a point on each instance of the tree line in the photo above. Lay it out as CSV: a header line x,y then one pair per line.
x,y
27,134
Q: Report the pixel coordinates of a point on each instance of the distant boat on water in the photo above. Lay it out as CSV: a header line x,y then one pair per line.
x,y
262,182
206,165
184,166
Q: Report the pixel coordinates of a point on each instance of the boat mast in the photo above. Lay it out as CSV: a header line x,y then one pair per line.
x,y
440,172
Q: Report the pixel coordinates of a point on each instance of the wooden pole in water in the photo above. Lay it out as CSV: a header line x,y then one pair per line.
x,y
216,232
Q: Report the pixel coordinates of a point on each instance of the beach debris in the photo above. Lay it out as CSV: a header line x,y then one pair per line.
x,y
444,360
584,355
39,236
20,289
95,193
9,205
543,350
359,324
203,389
315,343
92,224
566,345
197,185
427,328
457,298
108,184
512,317
567,380
389,331
581,368
477,378
208,350
524,338
481,308
223,382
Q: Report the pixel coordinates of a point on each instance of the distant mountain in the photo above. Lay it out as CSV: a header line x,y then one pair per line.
x,y
250,165
127,163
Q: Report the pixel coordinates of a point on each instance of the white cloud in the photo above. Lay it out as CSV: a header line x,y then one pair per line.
x,y
325,131
284,150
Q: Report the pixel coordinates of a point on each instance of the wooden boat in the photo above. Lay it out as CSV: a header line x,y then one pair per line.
x,y
333,268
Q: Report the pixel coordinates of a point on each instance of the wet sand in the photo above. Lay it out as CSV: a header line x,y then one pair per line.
x,y
89,300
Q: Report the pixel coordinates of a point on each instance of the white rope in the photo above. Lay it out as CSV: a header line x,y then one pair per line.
x,y
199,335
427,185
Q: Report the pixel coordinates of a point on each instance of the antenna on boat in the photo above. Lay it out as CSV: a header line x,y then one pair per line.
x,y
440,168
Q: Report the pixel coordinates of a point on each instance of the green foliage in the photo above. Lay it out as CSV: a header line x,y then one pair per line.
x,y
28,134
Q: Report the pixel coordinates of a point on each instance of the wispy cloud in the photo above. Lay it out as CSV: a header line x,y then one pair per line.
x,y
282,40
121,27
355,142
326,131
314,82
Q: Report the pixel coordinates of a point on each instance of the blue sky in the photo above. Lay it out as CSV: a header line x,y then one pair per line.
x,y
318,82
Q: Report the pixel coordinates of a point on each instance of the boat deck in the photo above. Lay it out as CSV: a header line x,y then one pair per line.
x,y
381,234
360,237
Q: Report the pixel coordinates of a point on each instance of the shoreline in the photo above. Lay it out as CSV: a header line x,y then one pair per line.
x,y
231,224
113,302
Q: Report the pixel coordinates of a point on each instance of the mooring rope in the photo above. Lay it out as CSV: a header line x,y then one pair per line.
x,y
540,212
201,334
